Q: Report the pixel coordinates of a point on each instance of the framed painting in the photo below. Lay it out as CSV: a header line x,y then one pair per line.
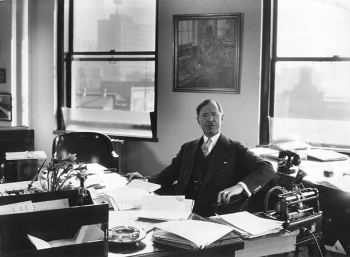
x,y
207,52
5,107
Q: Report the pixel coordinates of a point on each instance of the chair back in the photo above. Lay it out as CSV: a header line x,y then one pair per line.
x,y
89,147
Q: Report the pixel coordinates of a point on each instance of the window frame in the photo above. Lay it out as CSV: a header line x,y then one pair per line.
x,y
65,60
268,64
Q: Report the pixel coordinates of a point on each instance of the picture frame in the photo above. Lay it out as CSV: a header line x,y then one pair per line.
x,y
5,106
207,52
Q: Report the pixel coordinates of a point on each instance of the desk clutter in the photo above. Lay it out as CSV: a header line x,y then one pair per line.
x,y
116,214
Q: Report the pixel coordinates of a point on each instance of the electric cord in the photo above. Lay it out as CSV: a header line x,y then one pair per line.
x,y
268,194
314,237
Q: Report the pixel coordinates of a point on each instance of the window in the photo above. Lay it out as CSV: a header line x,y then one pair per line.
x,y
107,70
306,78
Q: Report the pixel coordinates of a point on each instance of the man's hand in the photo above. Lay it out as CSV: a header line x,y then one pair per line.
x,y
225,195
134,175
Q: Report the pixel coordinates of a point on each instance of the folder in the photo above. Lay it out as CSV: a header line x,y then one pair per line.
x,y
52,225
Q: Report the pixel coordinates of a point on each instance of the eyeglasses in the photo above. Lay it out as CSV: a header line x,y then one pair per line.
x,y
209,115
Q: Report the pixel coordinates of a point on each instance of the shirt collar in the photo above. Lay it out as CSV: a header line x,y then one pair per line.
x,y
214,139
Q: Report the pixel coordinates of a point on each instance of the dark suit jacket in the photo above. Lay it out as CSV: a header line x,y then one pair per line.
x,y
230,163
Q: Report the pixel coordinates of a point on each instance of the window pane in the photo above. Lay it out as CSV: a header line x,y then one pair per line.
x,y
113,98
113,86
103,25
315,90
313,28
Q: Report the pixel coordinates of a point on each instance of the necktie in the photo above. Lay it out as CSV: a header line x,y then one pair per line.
x,y
205,147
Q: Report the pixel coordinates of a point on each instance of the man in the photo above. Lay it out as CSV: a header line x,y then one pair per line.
x,y
213,168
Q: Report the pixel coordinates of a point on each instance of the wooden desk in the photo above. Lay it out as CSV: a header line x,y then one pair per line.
x,y
253,248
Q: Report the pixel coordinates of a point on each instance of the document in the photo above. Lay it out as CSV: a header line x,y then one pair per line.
x,y
191,234
25,155
289,145
106,181
266,152
249,225
51,205
144,185
85,234
165,207
325,155
20,207
29,206
125,198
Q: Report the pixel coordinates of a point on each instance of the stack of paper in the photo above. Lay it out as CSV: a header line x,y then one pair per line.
x,y
166,207
325,155
289,145
192,234
123,196
249,225
266,152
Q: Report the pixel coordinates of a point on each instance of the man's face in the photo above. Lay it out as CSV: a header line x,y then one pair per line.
x,y
210,119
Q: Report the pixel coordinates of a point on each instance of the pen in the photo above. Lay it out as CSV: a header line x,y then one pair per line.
x,y
111,169
36,175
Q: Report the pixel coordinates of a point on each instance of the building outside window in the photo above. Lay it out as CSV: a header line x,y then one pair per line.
x,y
108,75
308,72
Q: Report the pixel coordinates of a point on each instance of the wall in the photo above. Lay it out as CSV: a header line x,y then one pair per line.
x,y
176,115
176,110
41,70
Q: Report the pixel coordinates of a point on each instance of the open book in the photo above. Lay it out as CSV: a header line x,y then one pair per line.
x,y
193,234
248,225
85,234
165,207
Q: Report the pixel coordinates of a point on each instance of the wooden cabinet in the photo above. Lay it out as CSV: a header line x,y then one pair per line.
x,y
16,139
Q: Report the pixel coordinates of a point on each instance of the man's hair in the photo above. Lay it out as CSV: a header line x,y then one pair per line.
x,y
208,101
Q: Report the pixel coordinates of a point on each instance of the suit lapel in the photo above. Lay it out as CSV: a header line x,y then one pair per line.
x,y
190,156
218,155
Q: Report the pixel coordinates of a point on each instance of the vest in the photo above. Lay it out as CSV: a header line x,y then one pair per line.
x,y
200,167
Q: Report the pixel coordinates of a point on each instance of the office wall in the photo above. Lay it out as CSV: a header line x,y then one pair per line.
x,y
176,110
41,72
176,115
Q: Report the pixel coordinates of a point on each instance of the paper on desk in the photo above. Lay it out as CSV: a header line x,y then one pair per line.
x,y
144,185
252,224
51,205
25,155
109,180
94,169
20,207
166,207
16,186
125,198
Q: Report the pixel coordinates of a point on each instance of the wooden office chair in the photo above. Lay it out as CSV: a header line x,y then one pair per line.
x,y
88,146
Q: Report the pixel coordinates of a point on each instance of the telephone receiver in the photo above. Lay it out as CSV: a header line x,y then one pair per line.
x,y
286,160
292,158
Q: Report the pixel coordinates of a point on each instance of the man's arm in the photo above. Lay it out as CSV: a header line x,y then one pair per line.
x,y
259,172
164,178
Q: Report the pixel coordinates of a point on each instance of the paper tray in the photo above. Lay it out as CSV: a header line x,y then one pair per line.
x,y
52,224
